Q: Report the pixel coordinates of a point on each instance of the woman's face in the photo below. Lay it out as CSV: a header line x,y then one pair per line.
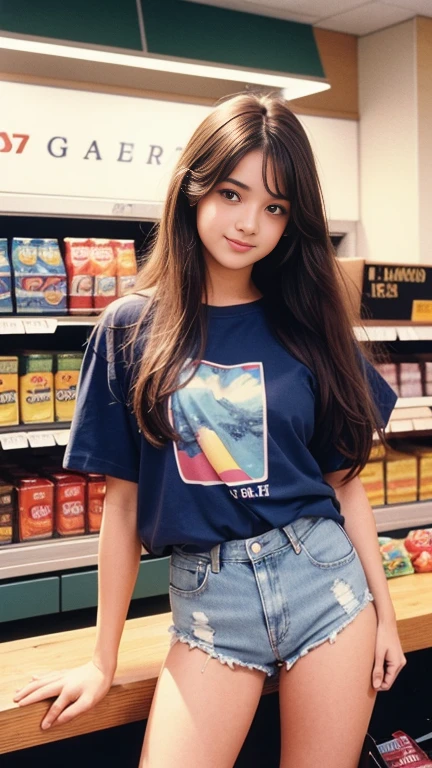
x,y
240,209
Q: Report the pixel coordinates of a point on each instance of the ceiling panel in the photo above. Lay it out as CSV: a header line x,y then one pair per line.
x,y
268,9
368,18
420,7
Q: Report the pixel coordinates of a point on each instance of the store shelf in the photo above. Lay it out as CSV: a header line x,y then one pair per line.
x,y
18,325
34,435
413,402
392,331
46,556
395,516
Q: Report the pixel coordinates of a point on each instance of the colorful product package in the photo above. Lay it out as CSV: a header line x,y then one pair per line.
x,y
418,544
7,512
403,750
40,276
401,477
104,269
395,558
35,508
80,278
36,388
68,366
69,501
126,265
6,304
96,490
9,412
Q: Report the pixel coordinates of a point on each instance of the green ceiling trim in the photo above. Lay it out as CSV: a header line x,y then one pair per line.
x,y
102,22
207,33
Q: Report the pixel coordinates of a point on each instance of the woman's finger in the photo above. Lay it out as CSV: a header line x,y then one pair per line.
x,y
35,684
57,708
378,670
42,692
78,707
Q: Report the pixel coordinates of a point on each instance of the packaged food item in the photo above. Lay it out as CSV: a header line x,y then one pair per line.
x,y
5,278
103,266
96,490
7,512
36,388
35,508
410,380
40,276
418,544
389,372
124,251
66,382
395,558
401,477
372,478
403,750
9,414
80,277
428,377
69,501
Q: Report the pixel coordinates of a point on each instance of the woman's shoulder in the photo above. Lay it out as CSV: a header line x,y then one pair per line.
x,y
126,311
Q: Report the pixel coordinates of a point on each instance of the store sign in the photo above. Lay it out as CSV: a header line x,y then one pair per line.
x,y
68,142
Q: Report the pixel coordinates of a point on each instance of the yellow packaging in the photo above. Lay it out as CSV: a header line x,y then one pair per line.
x,y
423,454
377,451
9,414
401,477
36,388
66,383
372,477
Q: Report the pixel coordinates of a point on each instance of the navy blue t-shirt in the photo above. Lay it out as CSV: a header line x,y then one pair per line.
x,y
246,419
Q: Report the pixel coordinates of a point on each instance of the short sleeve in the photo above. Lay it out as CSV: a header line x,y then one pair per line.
x,y
104,435
384,398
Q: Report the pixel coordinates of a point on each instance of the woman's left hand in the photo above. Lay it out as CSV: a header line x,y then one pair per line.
x,y
389,657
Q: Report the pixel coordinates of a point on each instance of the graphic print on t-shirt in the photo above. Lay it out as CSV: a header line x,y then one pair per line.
x,y
221,418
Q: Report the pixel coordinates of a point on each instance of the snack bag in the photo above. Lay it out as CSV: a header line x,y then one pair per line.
x,y
69,500
419,546
395,558
8,391
79,275
36,388
5,279
402,750
66,382
126,265
96,490
40,276
35,508
103,267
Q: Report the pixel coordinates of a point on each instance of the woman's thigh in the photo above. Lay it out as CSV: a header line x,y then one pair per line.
x,y
201,711
326,699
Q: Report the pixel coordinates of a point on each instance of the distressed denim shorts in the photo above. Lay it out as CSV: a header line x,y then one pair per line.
x,y
266,601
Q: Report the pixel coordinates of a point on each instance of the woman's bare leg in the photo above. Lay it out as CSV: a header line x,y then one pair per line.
x,y
199,718
326,699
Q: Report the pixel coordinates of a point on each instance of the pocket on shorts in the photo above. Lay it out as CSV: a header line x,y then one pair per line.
x,y
327,545
189,574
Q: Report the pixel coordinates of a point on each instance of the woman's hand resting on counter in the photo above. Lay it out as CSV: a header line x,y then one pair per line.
x,y
76,690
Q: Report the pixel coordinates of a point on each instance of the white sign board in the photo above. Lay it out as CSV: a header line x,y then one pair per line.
x,y
60,143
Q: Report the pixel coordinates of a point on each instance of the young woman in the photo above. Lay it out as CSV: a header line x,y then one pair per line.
x,y
231,409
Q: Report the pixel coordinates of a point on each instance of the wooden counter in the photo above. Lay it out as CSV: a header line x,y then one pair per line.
x,y
144,645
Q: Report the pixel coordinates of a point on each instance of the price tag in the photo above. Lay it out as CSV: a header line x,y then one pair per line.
x,y
122,209
11,325
408,333
40,439
40,325
13,440
61,436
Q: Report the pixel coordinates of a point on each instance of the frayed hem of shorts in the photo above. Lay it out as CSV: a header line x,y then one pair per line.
x,y
185,638
331,638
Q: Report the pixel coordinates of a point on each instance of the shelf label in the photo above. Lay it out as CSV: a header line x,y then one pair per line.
x,y
40,439
122,209
40,325
13,440
11,325
61,436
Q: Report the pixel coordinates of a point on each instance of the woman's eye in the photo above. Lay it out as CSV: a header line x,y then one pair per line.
x,y
281,210
225,192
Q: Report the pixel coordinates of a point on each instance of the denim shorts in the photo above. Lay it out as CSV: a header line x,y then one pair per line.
x,y
264,602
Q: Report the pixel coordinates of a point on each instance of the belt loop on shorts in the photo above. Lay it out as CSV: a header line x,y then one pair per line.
x,y
215,558
289,530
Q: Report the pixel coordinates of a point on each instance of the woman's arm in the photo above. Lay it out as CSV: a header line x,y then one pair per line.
x,y
118,564
360,527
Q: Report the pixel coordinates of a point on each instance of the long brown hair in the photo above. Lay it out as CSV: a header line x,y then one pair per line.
x,y
301,275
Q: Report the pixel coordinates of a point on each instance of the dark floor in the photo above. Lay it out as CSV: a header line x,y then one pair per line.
x,y
407,706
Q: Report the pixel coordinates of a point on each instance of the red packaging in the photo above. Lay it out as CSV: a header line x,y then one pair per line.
x,y
402,751
418,544
104,268
80,278
69,503
96,490
35,508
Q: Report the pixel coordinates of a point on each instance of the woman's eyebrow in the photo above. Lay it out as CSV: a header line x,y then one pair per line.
x,y
248,189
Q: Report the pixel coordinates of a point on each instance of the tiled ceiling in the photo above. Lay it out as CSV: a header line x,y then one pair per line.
x,y
356,17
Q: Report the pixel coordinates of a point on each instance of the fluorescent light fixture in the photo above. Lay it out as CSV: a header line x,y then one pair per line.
x,y
292,86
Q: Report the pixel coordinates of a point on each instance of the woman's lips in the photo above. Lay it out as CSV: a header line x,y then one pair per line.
x,y
238,246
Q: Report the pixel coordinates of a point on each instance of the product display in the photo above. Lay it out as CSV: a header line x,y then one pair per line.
x,y
402,750
6,512
9,413
69,503
418,544
5,279
39,276
396,560
66,381
36,388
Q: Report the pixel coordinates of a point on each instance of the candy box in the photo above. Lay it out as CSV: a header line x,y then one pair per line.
x,y
40,276
402,750
5,279
395,558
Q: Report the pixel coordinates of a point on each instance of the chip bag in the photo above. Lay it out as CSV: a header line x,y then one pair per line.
x,y
419,546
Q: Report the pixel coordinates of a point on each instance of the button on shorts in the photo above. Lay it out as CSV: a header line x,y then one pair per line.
x,y
266,601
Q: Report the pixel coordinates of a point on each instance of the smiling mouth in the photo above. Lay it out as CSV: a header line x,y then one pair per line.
x,y
239,242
